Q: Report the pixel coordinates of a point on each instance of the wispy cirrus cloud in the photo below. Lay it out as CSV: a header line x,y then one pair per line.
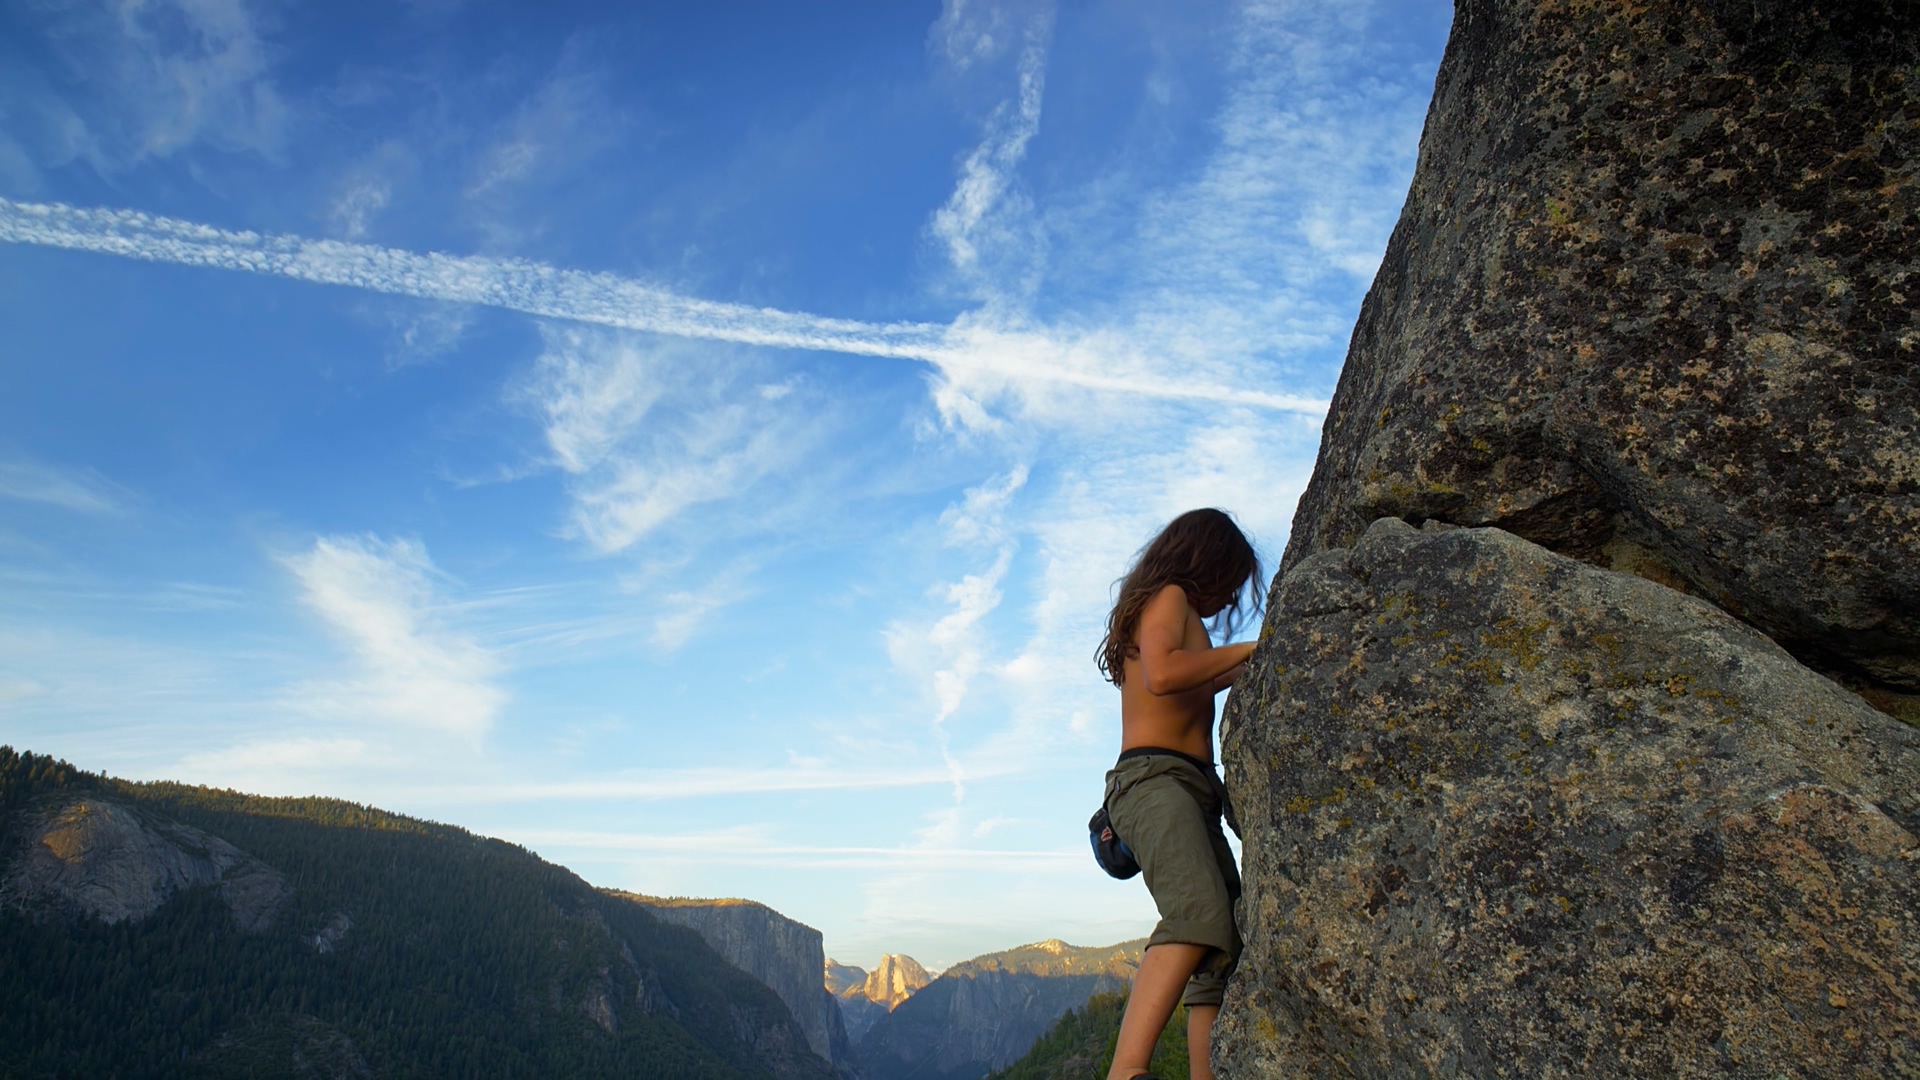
x,y
697,783
566,120
1243,272
755,846
646,429
944,655
137,81
1288,218
992,238
684,610
81,490
411,668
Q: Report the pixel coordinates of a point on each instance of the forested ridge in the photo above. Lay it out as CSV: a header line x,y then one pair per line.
x,y
448,955
1080,1044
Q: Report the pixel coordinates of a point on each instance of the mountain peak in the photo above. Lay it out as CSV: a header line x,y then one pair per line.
x,y
866,996
895,979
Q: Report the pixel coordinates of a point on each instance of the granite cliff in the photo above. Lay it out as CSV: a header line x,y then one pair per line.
x,y
1570,747
1653,304
985,1013
785,955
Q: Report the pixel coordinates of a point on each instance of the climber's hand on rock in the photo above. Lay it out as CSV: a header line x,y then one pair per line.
x,y
1227,679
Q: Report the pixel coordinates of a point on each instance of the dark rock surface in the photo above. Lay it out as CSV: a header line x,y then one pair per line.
x,y
92,858
1654,303
1508,814
983,1014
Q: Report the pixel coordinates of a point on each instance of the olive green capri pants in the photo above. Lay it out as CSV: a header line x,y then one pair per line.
x,y
1167,810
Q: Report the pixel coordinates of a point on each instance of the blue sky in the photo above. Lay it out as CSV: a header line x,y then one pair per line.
x,y
695,441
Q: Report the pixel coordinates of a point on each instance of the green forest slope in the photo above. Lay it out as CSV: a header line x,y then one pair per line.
x,y
1079,1046
450,955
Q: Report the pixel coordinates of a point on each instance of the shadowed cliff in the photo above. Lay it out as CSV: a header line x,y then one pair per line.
x,y
785,955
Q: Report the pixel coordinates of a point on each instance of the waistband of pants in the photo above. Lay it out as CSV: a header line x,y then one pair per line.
x,y
1149,751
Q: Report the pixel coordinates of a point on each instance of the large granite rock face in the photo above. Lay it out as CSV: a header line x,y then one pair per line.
x,y
785,955
895,979
1508,814
1654,303
983,1014
96,859
866,996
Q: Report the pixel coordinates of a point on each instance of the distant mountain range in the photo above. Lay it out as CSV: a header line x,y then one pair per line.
x,y
985,1013
161,930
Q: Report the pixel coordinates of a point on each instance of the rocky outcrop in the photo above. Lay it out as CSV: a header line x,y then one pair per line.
x,y
985,1013
331,936
1654,303
92,858
866,996
1508,814
785,955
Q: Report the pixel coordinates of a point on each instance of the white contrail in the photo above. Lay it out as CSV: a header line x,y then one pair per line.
x,y
578,296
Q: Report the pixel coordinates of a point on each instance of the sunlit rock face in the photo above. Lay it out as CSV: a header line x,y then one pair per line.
x,y
866,996
894,980
101,860
1654,303
1509,814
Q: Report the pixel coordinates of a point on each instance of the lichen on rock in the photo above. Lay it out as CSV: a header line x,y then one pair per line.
x,y
1509,814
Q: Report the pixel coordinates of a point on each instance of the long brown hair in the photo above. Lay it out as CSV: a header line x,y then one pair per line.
x,y
1204,553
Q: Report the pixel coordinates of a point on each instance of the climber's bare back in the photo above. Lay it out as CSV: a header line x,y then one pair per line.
x,y
1177,659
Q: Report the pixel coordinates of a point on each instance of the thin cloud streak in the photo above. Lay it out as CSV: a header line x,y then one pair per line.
x,y
577,296
697,783
986,215
740,844
69,489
